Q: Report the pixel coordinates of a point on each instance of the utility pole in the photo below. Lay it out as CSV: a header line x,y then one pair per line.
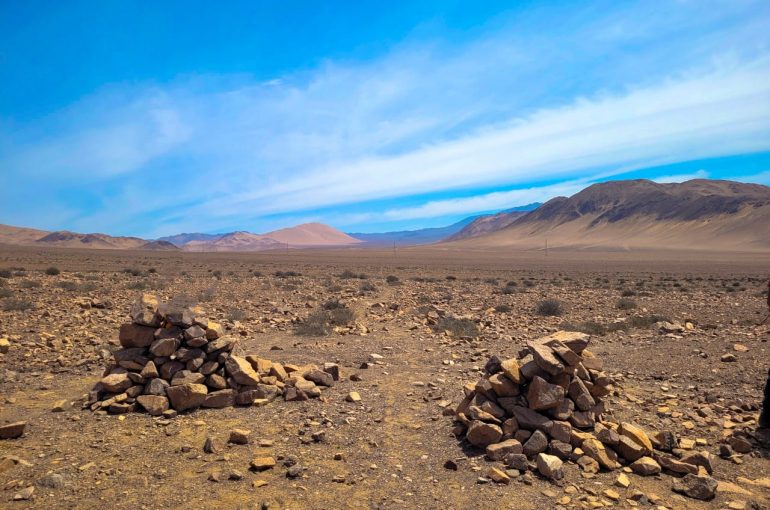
x,y
546,247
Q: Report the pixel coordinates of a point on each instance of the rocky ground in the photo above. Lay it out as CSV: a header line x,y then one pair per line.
x,y
408,331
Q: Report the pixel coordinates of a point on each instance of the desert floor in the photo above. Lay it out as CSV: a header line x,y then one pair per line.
x,y
389,450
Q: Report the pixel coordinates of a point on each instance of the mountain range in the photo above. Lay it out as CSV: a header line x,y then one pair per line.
x,y
700,214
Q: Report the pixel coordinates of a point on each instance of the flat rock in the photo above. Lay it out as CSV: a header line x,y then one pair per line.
x,y
700,487
12,430
186,396
241,371
483,434
155,405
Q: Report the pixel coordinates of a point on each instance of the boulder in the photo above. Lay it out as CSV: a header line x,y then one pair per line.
x,y
186,396
155,405
483,434
241,371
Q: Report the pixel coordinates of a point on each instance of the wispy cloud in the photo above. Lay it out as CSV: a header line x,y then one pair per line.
x,y
504,110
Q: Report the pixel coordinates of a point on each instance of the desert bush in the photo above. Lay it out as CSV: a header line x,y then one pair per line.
x,y
341,316
549,307
628,293
644,321
316,324
503,308
333,304
71,286
207,295
17,305
52,271
450,278
133,271
137,285
236,314
87,287
392,279
458,327
29,284
625,304
508,289
368,287
5,293
529,283
286,274
348,275
152,270
588,327
5,273
217,274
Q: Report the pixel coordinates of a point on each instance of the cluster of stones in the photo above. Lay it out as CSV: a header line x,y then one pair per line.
x,y
173,360
545,409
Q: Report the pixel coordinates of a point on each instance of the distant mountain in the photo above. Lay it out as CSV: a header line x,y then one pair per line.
x,y
67,239
181,239
699,214
413,237
312,234
19,235
159,246
492,222
307,235
234,241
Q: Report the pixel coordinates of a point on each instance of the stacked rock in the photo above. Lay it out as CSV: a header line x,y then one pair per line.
x,y
173,360
548,407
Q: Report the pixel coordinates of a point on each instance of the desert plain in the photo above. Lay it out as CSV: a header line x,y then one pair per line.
x,y
418,324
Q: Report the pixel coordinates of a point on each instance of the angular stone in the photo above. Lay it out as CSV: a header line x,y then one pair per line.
x,y
545,357
194,332
699,487
186,396
510,368
150,371
12,430
156,387
116,382
595,449
187,377
320,377
561,431
532,420
563,411
219,399
499,451
498,476
675,466
503,386
550,466
214,330
168,369
702,459
135,335
260,365
155,405
483,434
580,395
279,373
517,461
583,419
239,436
630,450
560,449
144,311
164,346
537,443
588,464
606,435
574,340
262,463
637,435
646,466
5,345
241,371
544,395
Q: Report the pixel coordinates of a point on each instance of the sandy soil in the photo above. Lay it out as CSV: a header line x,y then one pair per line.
x,y
388,451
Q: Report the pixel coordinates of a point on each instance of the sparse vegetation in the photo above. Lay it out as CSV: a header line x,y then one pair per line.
x,y
52,271
392,279
5,273
625,304
17,305
549,308
503,308
316,324
461,328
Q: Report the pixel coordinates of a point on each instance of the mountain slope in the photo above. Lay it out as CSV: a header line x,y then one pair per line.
x,y
312,234
19,235
67,239
182,239
235,241
640,214
413,237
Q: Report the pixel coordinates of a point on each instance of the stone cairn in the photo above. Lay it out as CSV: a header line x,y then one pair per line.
x,y
542,410
172,360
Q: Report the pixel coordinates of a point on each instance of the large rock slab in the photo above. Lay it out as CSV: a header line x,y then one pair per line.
x,y
186,396
241,371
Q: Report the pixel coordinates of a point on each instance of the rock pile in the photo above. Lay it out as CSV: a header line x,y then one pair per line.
x,y
542,410
174,360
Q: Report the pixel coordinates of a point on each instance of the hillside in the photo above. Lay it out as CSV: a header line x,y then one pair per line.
x,y
639,214
67,239
312,234
413,237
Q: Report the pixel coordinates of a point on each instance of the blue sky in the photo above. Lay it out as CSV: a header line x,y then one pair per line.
x,y
153,118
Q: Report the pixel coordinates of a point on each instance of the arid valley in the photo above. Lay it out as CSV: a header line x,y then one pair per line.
x,y
422,323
